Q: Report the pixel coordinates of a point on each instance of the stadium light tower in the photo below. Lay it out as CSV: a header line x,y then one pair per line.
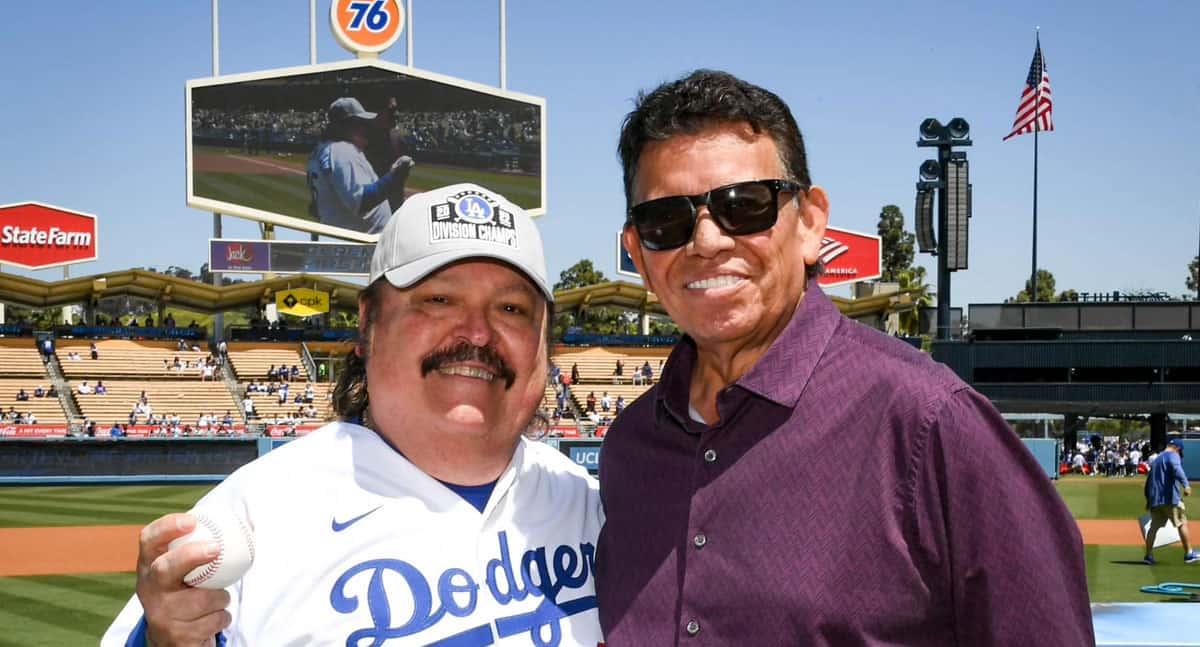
x,y
947,176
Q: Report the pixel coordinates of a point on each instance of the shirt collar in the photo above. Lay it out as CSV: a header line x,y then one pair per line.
x,y
793,354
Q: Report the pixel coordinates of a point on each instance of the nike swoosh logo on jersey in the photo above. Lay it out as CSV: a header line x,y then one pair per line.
x,y
340,526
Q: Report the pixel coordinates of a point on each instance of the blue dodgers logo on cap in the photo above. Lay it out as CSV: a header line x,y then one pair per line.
x,y
471,215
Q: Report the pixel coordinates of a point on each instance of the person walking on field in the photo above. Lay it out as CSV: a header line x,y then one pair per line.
x,y
1163,501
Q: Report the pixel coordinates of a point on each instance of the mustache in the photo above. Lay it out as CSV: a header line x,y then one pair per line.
x,y
464,351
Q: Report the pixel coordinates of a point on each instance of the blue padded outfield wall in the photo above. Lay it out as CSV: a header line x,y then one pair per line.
x,y
1046,451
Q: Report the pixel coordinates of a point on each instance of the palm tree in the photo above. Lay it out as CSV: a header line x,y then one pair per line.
x,y
912,281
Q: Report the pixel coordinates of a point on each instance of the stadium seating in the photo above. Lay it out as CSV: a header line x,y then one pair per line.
x,y
596,367
166,397
125,358
267,405
251,360
21,368
47,410
21,360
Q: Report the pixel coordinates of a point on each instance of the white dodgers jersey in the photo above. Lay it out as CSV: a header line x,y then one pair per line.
x,y
356,546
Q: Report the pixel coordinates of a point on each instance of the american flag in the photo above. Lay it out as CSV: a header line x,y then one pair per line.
x,y
1036,104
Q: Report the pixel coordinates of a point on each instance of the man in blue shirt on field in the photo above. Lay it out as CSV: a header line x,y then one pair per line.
x,y
1163,501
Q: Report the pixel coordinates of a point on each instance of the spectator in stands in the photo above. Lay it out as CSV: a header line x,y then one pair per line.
x,y
605,402
39,392
115,430
618,372
648,373
620,406
574,373
95,351
248,407
272,387
283,393
176,364
181,345
100,388
30,419
555,375
149,323
295,373
47,346
591,402
308,393
272,373
206,372
169,321
228,419
142,398
73,356
252,387
84,389
22,395
52,392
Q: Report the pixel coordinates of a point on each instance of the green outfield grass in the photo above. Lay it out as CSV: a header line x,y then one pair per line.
x,y
28,507
1116,573
68,610
60,610
1103,498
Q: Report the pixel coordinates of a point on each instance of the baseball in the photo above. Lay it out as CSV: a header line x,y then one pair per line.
x,y
236,543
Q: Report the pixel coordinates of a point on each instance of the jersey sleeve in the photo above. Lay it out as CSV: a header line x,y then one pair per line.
x,y
1010,551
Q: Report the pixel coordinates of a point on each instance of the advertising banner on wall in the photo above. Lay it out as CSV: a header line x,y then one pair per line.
x,y
289,257
36,236
335,148
850,257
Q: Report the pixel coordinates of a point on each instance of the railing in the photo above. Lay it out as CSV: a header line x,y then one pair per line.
x,y
309,363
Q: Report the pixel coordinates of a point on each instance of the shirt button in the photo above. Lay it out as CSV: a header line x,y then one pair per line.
x,y
710,456
700,540
693,627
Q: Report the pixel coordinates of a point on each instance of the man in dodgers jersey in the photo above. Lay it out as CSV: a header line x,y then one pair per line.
x,y
425,516
345,191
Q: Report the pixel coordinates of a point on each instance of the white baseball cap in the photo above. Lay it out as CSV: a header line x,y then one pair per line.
x,y
348,107
434,229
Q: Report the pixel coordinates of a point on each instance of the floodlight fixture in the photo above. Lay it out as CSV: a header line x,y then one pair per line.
x,y
958,128
930,171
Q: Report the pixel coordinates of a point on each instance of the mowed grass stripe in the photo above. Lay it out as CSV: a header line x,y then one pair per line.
x,y
103,505
136,494
521,189
1103,498
66,619
1116,573
287,195
110,586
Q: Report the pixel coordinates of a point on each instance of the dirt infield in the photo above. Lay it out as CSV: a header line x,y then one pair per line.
x,y
113,549
209,161
68,551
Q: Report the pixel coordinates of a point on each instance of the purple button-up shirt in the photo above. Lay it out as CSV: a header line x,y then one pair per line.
x,y
854,492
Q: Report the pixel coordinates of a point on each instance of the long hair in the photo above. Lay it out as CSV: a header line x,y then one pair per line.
x,y
351,401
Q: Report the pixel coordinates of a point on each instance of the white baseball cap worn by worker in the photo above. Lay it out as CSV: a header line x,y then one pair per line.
x,y
346,108
436,228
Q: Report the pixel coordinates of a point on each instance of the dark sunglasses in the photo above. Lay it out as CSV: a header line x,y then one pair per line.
x,y
739,209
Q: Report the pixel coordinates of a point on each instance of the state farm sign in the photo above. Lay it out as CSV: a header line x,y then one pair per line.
x,y
36,236
850,257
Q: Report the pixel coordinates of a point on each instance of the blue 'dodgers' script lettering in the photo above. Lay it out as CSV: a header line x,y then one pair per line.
x,y
539,572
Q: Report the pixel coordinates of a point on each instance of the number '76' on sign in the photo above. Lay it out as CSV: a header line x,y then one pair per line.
x,y
374,14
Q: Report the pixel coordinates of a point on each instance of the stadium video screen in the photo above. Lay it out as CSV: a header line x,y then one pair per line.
x,y
300,148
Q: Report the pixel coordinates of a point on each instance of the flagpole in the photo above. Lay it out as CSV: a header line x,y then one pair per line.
x,y
1037,107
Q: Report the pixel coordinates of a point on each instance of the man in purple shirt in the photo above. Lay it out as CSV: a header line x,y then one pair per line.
x,y
795,478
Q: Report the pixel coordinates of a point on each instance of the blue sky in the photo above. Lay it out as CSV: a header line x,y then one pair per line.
x,y
92,114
